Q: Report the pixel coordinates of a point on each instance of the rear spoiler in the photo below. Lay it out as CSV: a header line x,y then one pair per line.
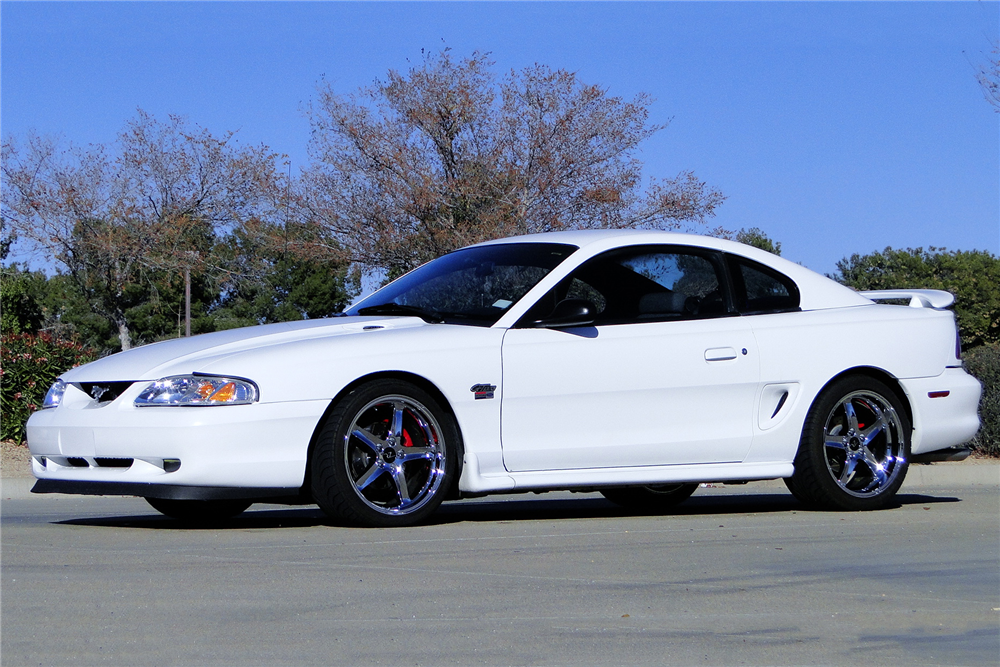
x,y
919,298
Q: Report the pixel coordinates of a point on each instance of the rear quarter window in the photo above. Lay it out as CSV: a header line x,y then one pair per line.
x,y
760,289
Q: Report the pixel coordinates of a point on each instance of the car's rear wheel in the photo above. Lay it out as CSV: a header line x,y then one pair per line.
x,y
385,456
855,447
199,510
655,498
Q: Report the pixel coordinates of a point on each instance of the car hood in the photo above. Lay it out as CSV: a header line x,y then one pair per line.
x,y
150,362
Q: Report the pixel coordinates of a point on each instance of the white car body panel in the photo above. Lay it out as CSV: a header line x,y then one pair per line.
x,y
622,404
628,395
808,349
456,357
945,420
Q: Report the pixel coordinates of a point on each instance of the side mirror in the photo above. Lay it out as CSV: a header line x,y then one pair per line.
x,y
569,313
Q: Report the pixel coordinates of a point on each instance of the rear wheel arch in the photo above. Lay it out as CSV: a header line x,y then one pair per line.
x,y
413,378
879,374
842,463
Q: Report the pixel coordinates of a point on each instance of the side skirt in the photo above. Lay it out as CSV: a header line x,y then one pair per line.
x,y
475,482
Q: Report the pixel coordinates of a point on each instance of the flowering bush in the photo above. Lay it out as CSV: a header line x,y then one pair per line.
x,y
29,364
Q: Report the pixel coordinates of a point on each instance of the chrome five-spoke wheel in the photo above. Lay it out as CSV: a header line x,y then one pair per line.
x,y
863,438
854,448
385,456
394,455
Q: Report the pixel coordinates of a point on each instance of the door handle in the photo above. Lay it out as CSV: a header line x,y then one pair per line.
x,y
720,354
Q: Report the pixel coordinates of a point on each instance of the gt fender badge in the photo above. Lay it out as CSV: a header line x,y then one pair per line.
x,y
483,390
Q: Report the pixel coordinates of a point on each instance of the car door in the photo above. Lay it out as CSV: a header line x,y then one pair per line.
x,y
666,375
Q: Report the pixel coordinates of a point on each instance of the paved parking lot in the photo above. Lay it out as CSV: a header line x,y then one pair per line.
x,y
738,575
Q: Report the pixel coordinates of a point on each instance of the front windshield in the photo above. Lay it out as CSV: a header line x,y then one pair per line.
x,y
470,286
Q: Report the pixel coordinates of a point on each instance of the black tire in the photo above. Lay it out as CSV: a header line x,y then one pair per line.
x,y
654,499
855,447
202,511
385,457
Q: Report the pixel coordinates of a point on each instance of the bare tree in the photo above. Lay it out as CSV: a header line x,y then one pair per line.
x,y
988,76
152,203
449,154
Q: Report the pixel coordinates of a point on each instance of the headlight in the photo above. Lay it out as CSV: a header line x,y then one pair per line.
x,y
198,390
54,394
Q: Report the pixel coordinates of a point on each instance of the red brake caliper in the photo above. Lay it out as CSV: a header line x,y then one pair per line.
x,y
407,440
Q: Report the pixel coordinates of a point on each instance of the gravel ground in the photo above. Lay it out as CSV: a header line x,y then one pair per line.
x,y
15,460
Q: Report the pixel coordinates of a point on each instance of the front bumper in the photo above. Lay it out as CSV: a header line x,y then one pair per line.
x,y
260,447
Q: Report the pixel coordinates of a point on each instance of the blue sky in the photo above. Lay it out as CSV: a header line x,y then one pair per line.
x,y
835,127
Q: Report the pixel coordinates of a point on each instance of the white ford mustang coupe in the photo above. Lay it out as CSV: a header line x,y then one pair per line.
x,y
636,364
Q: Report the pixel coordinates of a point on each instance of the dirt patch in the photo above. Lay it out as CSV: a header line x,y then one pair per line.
x,y
15,460
979,459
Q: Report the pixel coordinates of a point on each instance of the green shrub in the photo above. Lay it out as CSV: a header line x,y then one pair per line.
x,y
984,363
756,237
973,276
20,300
29,364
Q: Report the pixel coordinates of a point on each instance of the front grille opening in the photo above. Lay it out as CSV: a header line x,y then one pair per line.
x,y
77,462
108,462
104,392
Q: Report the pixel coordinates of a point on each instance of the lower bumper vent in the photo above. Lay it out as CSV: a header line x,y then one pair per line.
x,y
105,462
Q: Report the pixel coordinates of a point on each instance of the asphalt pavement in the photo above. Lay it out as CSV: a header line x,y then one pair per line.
x,y
736,575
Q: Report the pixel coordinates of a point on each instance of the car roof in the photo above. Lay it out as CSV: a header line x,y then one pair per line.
x,y
612,238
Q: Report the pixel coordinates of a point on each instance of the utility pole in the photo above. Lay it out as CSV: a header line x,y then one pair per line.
x,y
192,259
187,301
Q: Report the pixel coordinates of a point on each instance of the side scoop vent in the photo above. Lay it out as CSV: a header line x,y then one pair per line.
x,y
776,401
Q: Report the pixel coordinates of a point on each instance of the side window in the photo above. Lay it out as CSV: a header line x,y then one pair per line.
x,y
581,290
760,289
643,284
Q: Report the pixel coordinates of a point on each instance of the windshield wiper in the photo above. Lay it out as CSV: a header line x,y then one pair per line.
x,y
397,309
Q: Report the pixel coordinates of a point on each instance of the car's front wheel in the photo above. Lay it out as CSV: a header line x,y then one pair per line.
x,y
654,498
385,456
855,447
199,510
